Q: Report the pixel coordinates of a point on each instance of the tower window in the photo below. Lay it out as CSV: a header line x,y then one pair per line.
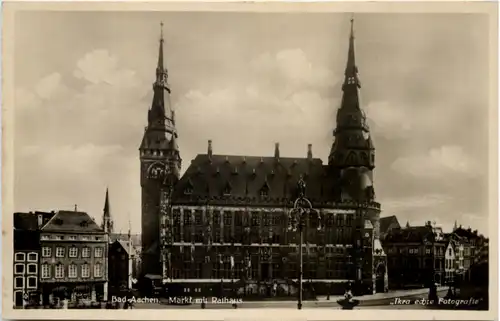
x,y
188,190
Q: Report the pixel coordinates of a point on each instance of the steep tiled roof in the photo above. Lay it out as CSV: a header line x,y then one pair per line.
x,y
414,234
387,221
124,245
466,233
131,250
25,221
242,178
72,221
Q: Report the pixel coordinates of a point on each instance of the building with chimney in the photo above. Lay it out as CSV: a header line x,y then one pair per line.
x,y
470,248
74,259
226,220
415,256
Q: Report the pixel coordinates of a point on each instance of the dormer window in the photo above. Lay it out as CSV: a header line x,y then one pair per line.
x,y
235,170
58,221
227,189
264,191
84,223
188,190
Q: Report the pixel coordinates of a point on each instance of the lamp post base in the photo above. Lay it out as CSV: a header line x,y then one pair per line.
x,y
299,305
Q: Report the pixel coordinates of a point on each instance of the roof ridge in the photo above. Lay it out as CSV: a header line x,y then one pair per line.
x,y
50,220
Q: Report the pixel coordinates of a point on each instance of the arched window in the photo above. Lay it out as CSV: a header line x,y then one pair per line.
x,y
351,159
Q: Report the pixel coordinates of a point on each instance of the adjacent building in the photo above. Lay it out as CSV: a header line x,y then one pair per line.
x,y
73,263
416,256
26,259
227,218
123,267
450,261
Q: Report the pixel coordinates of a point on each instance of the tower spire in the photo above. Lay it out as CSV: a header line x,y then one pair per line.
x,y
106,203
160,68
160,164
351,70
352,146
160,116
107,223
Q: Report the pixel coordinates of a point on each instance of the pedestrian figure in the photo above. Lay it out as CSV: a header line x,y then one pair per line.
x,y
348,302
449,294
433,297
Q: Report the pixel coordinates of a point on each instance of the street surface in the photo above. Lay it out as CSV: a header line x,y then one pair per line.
x,y
378,301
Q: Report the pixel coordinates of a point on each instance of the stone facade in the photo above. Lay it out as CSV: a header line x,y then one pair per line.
x,y
228,218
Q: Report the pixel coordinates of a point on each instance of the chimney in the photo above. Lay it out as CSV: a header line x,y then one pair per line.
x,y
40,220
209,152
277,150
309,151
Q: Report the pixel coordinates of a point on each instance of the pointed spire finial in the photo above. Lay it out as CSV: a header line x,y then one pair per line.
x,y
161,31
106,204
352,25
76,208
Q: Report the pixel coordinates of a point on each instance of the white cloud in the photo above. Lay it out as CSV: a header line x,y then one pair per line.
x,y
290,70
99,66
438,162
389,119
284,98
48,86
80,140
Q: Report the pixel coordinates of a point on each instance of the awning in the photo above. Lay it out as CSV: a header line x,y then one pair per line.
x,y
82,288
60,289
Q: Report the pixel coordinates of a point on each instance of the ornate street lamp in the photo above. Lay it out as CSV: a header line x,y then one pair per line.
x,y
302,209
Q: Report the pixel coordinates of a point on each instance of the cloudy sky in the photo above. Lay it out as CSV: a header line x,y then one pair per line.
x,y
246,80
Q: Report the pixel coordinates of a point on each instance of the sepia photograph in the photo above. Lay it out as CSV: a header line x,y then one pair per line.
x,y
297,159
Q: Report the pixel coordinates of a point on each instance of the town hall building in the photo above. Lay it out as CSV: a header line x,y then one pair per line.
x,y
225,222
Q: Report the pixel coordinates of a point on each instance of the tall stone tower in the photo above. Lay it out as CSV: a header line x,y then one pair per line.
x,y
352,157
160,165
